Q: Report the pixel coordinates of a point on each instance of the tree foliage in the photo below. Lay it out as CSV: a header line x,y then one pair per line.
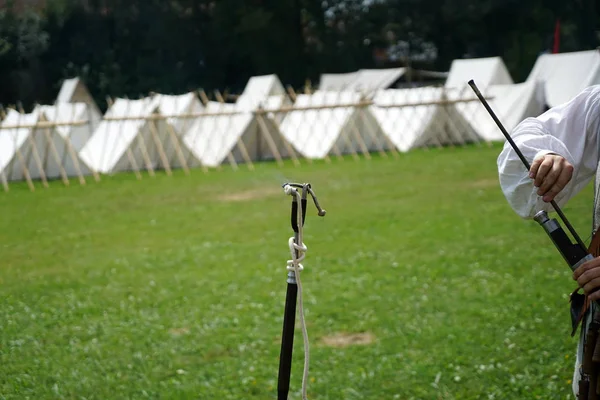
x,y
132,47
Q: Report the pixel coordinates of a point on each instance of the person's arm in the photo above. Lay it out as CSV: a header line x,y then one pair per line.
x,y
562,147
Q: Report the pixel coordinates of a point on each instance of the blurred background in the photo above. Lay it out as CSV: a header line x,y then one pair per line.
x,y
132,47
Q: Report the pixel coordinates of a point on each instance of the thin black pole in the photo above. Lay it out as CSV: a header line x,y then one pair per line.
x,y
289,316
287,341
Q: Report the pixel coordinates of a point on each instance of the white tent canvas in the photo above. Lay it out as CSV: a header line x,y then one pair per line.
x,y
266,92
84,116
484,71
409,119
336,82
176,107
37,150
364,80
369,80
128,139
259,89
73,90
564,75
511,103
234,134
317,133
181,112
276,107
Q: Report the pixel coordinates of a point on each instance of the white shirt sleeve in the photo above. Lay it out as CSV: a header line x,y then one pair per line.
x,y
569,130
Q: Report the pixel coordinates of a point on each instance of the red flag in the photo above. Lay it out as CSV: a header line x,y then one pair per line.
x,y
556,37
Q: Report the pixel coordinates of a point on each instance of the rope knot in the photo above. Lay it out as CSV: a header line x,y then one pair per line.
x,y
295,262
289,190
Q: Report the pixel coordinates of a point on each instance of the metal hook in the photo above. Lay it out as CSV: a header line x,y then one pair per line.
x,y
307,188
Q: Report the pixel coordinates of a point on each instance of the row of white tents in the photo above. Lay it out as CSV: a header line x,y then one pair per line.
x,y
353,113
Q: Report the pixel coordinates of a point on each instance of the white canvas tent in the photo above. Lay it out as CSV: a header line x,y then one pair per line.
x,y
73,90
179,108
76,121
258,90
484,71
181,112
364,80
511,103
331,123
30,149
129,139
336,82
264,92
276,107
410,118
229,132
369,80
564,75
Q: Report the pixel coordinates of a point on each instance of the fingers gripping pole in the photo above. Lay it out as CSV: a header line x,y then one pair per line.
x,y
524,160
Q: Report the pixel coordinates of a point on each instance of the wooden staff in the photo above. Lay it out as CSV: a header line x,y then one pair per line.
x,y
52,149
357,134
203,97
34,153
159,147
270,142
244,151
176,143
286,143
291,93
218,96
367,117
70,151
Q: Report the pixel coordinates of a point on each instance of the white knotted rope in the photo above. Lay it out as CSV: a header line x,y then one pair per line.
x,y
295,265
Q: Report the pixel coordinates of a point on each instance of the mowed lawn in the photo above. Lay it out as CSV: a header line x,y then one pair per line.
x,y
173,287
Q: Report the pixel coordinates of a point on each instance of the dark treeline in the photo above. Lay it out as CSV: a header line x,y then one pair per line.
x,y
132,47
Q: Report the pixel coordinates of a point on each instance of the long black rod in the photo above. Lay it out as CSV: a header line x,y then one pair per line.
x,y
287,342
523,159
289,316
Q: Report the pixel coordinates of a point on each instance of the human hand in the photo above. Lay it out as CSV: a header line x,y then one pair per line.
x,y
587,276
551,173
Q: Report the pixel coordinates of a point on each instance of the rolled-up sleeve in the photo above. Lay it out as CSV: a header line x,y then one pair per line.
x,y
569,130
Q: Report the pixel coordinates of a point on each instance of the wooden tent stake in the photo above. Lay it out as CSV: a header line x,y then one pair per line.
x,y
177,145
159,147
264,130
203,97
36,157
286,143
52,149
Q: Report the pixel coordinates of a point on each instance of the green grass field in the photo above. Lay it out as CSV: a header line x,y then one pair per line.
x,y
173,287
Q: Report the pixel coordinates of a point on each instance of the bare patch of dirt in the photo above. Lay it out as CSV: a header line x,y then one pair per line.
x,y
345,339
179,331
251,194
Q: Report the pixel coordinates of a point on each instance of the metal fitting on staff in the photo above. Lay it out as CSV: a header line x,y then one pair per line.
x,y
306,188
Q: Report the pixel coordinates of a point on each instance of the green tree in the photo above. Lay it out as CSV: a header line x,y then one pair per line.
x,y
22,41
